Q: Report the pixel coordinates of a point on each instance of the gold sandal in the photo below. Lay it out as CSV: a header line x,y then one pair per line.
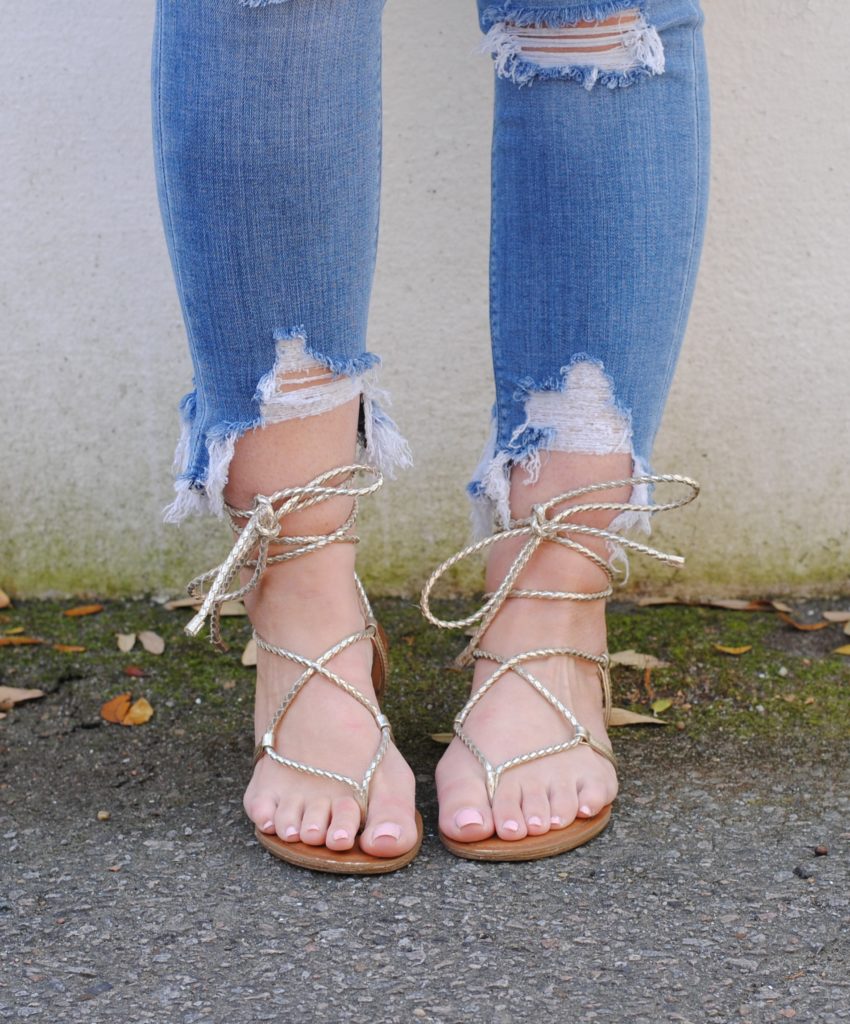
x,y
261,529
544,525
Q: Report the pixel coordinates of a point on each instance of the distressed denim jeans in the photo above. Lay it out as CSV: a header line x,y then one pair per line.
x,y
267,133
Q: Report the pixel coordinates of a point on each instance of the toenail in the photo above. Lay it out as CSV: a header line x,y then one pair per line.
x,y
535,821
267,827
555,821
340,834
387,830
584,809
510,825
469,816
313,828
291,832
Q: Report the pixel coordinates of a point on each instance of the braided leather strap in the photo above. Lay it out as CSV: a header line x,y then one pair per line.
x,y
258,529
559,527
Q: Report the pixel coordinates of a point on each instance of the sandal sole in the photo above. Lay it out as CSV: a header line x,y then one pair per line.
x,y
550,844
345,862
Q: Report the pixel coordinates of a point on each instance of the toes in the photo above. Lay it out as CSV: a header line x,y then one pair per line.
x,y
536,810
507,812
465,814
592,796
287,821
261,810
314,823
563,806
390,829
344,824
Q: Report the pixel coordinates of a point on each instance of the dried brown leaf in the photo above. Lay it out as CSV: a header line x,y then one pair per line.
x,y
5,600
844,649
152,642
83,609
249,655
737,651
19,641
14,631
139,713
68,648
442,737
126,641
621,717
734,605
836,616
12,695
114,710
807,627
846,629
650,602
133,671
781,606
232,608
633,659
181,602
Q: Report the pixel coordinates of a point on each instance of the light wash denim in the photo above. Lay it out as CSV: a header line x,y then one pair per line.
x,y
267,125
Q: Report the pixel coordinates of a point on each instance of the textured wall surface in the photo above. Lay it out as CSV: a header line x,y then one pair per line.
x,y
93,358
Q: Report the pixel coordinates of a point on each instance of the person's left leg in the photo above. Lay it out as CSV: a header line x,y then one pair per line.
x,y
598,211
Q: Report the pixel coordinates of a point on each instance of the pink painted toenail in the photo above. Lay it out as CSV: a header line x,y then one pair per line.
x,y
291,832
535,821
586,811
468,816
387,830
269,825
510,825
340,834
313,828
556,821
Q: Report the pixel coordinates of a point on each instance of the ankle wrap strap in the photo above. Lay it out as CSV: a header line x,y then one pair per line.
x,y
560,528
263,528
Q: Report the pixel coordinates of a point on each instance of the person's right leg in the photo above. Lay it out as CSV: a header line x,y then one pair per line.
x,y
267,125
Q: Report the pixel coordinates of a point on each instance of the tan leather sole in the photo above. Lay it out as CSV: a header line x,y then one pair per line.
x,y
556,841
347,862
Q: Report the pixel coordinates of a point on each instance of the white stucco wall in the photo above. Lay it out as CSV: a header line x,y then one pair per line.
x,y
93,356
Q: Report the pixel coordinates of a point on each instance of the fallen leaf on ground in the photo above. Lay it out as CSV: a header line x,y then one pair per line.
x,y
19,641
133,671
789,698
733,650
152,642
781,606
620,716
837,616
844,649
442,737
805,626
68,648
121,711
126,641
83,609
649,602
13,631
12,695
115,709
661,705
2,715
809,700
633,659
5,600
734,605
181,602
232,608
847,629
139,713
249,655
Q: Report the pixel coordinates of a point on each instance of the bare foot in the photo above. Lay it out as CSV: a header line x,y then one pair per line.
x,y
307,607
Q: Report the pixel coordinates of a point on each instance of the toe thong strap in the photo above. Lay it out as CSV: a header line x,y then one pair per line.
x,y
560,527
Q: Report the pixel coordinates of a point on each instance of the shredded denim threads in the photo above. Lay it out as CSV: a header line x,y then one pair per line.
x,y
525,49
566,14
260,3
200,486
575,412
